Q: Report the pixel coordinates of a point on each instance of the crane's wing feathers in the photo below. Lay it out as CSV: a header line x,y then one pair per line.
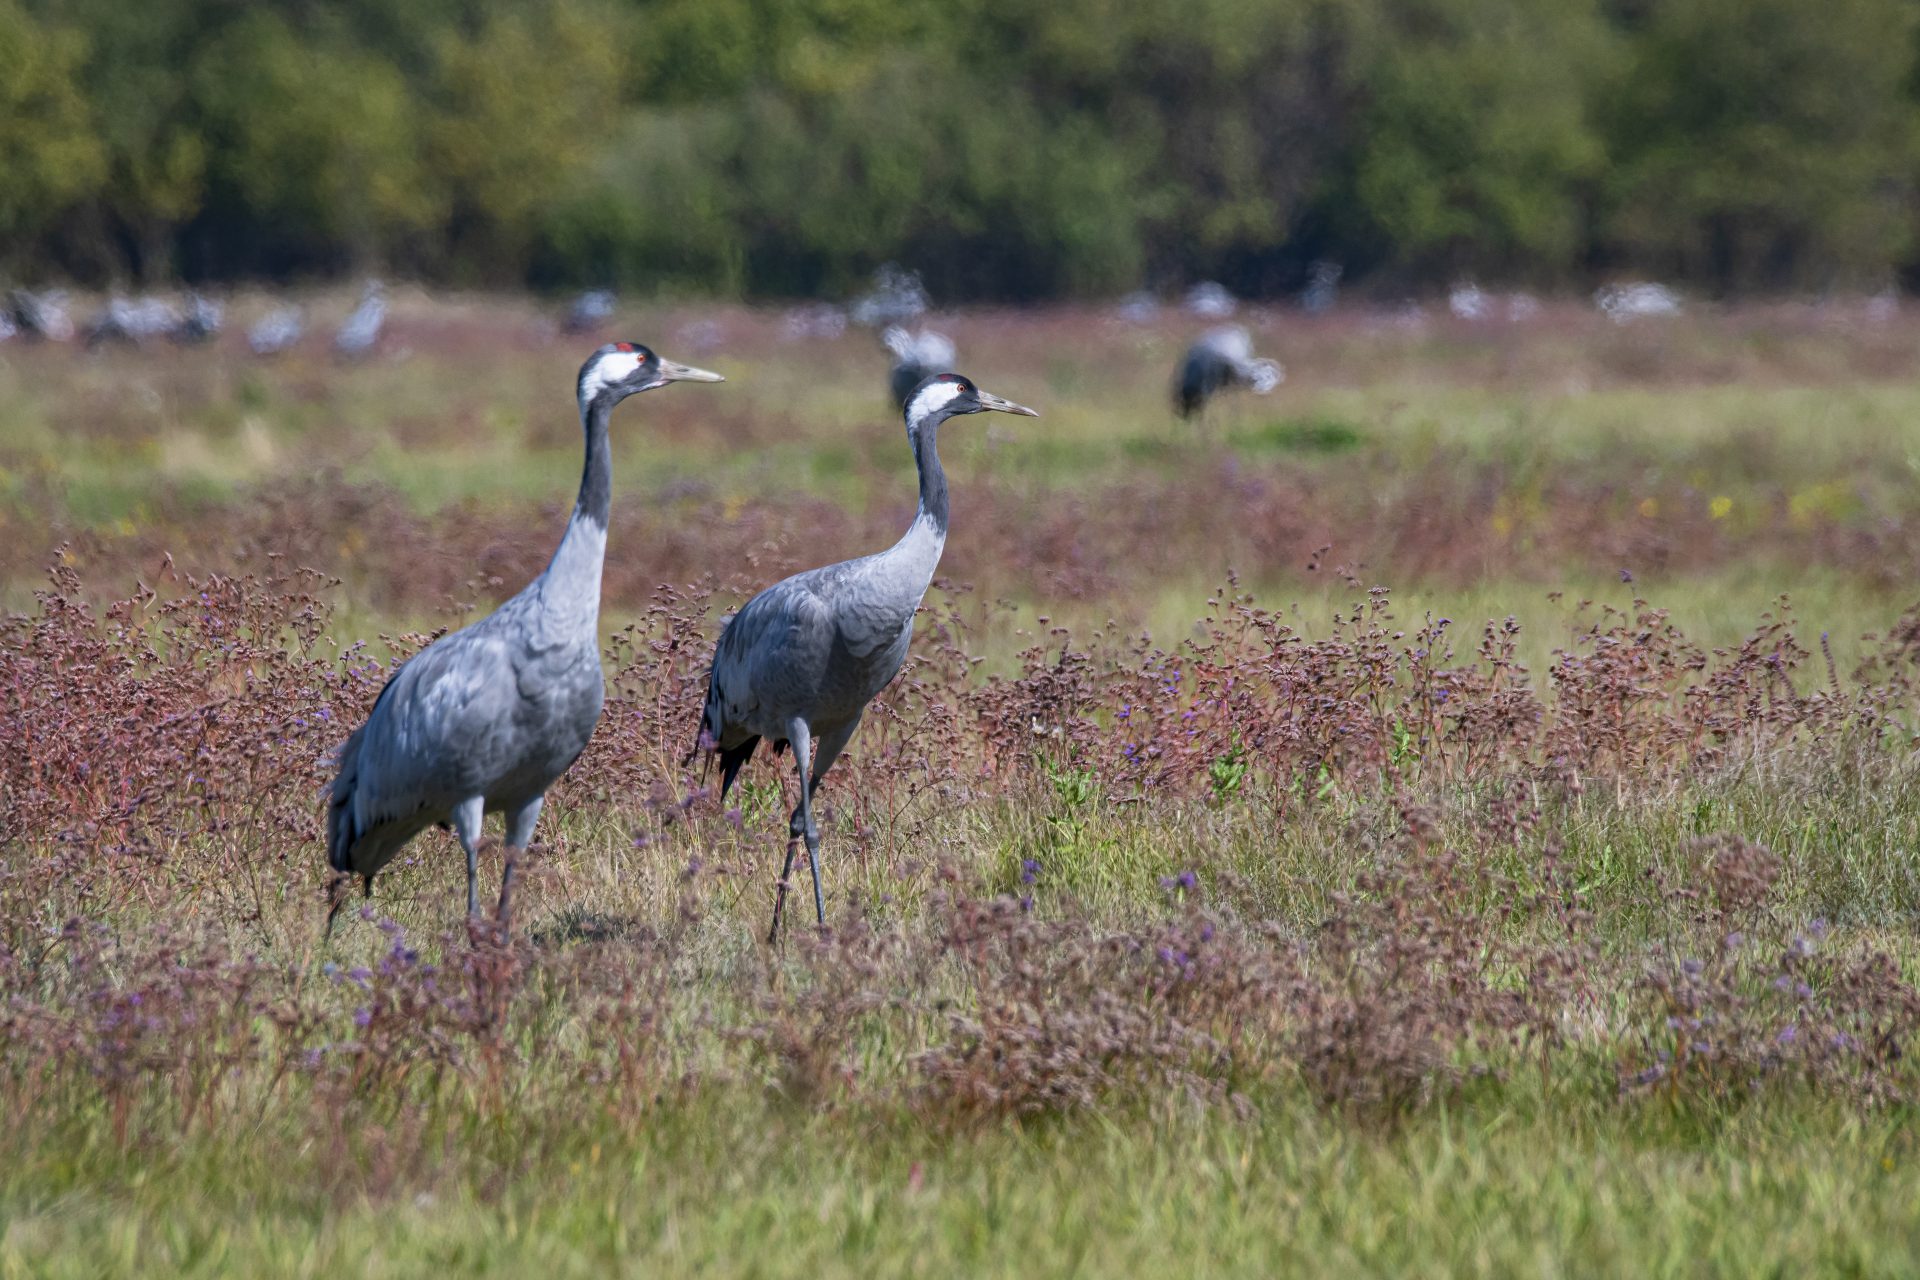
x,y
819,643
442,725
775,638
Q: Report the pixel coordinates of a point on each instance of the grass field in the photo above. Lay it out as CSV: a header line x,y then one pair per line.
x,y
1395,826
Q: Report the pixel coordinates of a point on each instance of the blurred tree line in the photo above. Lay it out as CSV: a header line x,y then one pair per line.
x,y
1006,149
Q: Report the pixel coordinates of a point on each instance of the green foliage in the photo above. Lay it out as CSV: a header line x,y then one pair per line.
x,y
1478,134
1764,142
50,153
1226,773
348,118
1075,791
1317,434
655,210
1006,151
524,104
731,1181
139,81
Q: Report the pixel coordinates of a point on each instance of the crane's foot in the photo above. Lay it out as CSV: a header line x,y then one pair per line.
x,y
484,933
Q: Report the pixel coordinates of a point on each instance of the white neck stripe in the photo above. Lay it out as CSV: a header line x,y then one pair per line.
x,y
931,398
614,367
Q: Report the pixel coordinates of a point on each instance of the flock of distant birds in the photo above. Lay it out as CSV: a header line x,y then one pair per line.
x,y
487,718
1219,359
134,321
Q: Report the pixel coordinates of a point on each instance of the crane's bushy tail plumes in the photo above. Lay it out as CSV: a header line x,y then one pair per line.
x,y
343,831
732,759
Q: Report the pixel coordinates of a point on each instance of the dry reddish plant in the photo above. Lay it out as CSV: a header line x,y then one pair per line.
x,y
157,801
1750,1017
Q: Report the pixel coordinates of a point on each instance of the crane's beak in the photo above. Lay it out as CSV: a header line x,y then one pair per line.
x,y
990,401
671,372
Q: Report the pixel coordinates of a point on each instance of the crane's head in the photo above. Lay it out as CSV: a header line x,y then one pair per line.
x,y
620,369
947,395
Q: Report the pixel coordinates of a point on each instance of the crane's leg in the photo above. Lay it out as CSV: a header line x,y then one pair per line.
x,y
803,816
800,827
520,823
336,898
832,743
467,816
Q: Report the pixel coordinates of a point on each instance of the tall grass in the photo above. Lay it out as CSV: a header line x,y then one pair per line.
x,y
1355,931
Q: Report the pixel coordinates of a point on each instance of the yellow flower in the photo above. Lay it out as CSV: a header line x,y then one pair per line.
x,y
1720,507
1649,507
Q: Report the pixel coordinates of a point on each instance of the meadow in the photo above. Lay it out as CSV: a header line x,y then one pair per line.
x,y
1455,815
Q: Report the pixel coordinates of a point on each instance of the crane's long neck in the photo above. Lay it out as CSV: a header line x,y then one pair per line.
x,y
933,477
919,549
570,588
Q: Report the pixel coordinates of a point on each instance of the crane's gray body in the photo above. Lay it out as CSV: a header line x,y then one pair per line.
x,y
801,660
360,331
276,331
41,315
820,645
495,712
486,719
200,323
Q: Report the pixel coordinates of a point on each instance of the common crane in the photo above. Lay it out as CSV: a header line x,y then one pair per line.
x,y
1323,287
132,321
801,660
274,332
916,357
41,315
201,322
1221,358
589,311
487,718
1211,300
361,330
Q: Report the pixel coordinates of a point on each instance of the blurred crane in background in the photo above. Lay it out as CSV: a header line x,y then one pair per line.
x,y
1221,358
916,357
